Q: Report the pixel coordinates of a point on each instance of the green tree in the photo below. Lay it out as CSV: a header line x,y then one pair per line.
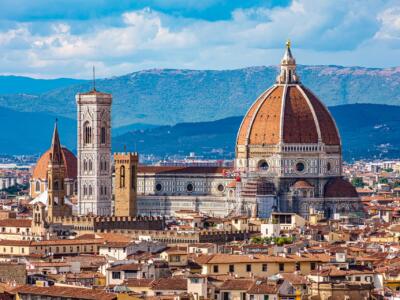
x,y
357,182
383,180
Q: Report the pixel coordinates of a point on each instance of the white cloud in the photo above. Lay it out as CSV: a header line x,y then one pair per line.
x,y
329,32
390,25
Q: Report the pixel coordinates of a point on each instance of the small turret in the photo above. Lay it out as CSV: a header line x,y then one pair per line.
x,y
288,68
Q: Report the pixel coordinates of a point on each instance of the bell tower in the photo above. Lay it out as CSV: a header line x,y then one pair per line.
x,y
94,153
126,165
55,180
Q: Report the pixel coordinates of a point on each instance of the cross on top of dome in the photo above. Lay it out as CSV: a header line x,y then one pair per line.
x,y
288,67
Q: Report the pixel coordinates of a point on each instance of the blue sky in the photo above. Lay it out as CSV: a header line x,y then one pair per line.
x,y
65,38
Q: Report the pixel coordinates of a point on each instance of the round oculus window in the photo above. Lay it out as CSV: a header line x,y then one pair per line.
x,y
263,166
190,187
158,187
220,188
300,167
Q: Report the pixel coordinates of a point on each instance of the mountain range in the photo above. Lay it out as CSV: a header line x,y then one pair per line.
x,y
367,131
168,97
169,111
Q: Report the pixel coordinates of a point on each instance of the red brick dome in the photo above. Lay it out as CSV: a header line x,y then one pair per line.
x,y
288,113
40,170
339,188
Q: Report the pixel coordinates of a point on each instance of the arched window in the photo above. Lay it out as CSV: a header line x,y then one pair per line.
x,y
87,133
85,190
85,165
103,135
55,185
37,186
90,165
122,177
90,190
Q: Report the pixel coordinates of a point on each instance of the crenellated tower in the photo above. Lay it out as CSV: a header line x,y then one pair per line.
x,y
126,166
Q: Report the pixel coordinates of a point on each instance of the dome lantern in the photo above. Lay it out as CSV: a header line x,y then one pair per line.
x,y
288,68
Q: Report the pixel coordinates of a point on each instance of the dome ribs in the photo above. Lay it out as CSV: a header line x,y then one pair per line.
x,y
299,126
266,124
329,133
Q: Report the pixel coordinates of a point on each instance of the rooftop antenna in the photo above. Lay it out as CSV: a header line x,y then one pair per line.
x,y
94,78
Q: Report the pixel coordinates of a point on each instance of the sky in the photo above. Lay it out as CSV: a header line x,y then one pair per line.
x,y
65,38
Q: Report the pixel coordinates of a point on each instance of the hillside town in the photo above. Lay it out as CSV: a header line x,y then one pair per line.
x,y
287,219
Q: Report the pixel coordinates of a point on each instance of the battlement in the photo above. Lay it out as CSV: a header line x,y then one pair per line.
x,y
133,156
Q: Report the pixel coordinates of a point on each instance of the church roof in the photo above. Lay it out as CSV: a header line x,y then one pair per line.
x,y
180,170
70,163
302,184
288,113
339,188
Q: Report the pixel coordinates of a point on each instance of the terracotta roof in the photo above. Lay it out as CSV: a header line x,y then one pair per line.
x,y
15,223
65,292
126,267
301,184
95,92
180,170
237,284
67,242
294,278
256,258
133,282
70,162
302,115
15,243
170,284
339,188
263,287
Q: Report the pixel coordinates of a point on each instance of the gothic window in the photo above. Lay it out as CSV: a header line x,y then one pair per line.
x,y
122,177
55,185
85,190
87,133
101,190
90,165
85,165
103,135
90,190
37,186
105,190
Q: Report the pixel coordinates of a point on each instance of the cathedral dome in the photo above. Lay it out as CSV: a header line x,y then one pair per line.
x,y
339,188
40,170
287,113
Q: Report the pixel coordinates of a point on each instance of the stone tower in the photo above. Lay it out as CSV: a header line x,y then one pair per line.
x,y
94,153
126,165
55,180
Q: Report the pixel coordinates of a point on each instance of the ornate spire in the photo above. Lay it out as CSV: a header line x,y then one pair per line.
x,y
288,67
55,150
